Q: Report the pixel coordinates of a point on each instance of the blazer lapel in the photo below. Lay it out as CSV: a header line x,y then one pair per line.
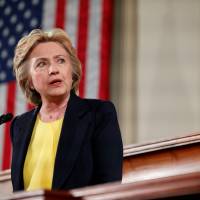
x,y
76,121
25,128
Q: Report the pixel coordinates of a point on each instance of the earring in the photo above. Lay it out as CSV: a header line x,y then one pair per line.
x,y
32,88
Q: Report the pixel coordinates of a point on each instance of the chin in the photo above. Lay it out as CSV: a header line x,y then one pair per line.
x,y
59,93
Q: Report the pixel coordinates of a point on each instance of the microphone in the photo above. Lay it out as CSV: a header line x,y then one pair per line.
x,y
5,118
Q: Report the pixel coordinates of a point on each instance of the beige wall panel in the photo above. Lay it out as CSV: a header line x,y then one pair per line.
x,y
168,68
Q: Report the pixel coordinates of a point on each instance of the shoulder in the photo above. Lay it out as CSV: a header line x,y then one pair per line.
x,y
82,106
20,122
103,112
23,120
100,106
24,117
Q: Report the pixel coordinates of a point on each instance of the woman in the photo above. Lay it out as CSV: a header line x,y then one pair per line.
x,y
65,142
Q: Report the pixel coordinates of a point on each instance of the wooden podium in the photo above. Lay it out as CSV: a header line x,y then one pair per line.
x,y
163,169
5,182
173,157
177,187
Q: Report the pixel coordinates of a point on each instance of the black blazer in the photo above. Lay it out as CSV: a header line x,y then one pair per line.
x,y
89,150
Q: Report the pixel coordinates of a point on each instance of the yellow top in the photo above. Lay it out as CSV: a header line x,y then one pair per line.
x,y
40,157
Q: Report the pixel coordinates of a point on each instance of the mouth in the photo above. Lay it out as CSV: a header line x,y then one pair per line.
x,y
55,82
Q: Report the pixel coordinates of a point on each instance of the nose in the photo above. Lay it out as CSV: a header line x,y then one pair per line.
x,y
53,69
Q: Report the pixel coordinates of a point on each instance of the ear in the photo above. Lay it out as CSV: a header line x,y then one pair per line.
x,y
31,84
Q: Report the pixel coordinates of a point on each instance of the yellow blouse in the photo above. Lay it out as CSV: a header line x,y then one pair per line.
x,y
40,157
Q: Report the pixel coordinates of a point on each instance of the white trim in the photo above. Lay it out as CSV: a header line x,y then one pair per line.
x,y
93,51
20,103
3,103
48,21
71,22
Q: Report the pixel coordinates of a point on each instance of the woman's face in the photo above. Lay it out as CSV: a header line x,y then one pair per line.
x,y
50,70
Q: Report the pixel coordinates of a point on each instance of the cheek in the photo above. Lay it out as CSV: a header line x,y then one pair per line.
x,y
37,79
69,78
68,75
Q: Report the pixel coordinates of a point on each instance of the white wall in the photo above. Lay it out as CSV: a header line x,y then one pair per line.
x,y
156,82
168,68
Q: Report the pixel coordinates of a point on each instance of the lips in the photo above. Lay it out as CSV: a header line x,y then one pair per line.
x,y
55,82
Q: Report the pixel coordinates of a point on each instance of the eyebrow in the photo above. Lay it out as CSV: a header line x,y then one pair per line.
x,y
59,55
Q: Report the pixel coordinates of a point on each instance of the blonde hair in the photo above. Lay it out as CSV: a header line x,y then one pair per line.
x,y
25,47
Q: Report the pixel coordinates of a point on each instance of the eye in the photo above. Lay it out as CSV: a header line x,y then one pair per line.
x,y
61,60
41,64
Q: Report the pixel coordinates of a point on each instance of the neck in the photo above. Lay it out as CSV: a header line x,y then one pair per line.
x,y
54,109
